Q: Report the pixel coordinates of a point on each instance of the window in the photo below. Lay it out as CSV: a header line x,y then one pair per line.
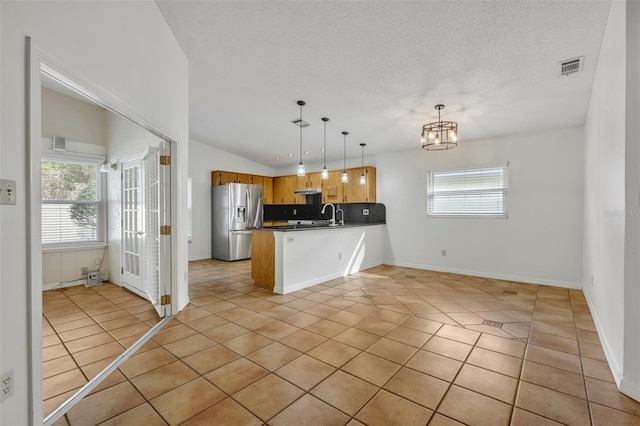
x,y
478,192
73,211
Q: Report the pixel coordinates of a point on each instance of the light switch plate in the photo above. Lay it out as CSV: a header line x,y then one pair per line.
x,y
7,191
365,212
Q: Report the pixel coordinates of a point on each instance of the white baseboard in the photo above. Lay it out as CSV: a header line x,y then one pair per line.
x,y
616,371
199,257
484,274
55,286
629,389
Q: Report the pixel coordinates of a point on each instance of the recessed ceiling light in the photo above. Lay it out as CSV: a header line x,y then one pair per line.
x,y
289,155
322,150
277,157
306,152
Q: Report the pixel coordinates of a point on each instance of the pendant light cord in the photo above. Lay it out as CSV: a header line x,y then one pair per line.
x,y
344,164
325,142
301,133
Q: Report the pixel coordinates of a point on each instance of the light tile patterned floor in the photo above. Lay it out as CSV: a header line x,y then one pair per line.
x,y
386,346
83,330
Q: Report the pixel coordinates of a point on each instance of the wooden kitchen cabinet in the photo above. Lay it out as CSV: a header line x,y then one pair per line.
x,y
278,190
244,178
267,189
290,186
281,189
354,192
220,177
310,180
332,191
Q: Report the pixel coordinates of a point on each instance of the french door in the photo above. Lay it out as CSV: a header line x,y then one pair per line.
x,y
145,185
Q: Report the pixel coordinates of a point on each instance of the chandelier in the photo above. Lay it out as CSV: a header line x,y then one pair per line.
x,y
439,135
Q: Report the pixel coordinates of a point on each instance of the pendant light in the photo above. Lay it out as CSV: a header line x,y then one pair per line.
x,y
439,135
345,175
363,178
301,171
325,171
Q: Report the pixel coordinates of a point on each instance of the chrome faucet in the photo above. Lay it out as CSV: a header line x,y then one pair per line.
x,y
332,221
341,216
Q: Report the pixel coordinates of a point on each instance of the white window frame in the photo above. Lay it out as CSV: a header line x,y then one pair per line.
x,y
468,193
101,207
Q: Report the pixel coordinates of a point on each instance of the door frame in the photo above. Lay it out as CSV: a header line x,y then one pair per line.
x,y
38,60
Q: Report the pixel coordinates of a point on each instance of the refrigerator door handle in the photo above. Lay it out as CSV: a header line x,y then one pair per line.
x,y
249,203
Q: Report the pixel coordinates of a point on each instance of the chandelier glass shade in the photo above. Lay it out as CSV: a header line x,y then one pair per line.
x,y
439,135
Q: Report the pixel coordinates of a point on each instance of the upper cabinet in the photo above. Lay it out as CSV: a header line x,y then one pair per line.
x,y
281,189
332,191
290,186
220,177
267,189
355,192
284,190
278,190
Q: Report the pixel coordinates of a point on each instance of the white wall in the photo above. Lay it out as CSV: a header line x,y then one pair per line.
x,y
127,49
604,204
74,119
203,159
540,242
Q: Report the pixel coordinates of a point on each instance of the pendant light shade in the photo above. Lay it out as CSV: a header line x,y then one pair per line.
x,y
325,171
301,170
345,175
363,178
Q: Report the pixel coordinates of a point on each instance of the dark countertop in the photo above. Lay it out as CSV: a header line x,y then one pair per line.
x,y
288,228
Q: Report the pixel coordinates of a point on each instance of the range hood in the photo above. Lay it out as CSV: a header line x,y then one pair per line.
x,y
309,191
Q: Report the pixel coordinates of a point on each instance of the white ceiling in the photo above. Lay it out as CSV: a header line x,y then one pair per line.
x,y
377,69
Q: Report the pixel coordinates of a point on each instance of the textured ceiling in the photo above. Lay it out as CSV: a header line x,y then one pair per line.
x,y
377,69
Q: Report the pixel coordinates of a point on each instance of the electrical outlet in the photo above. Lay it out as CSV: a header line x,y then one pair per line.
x,y
295,212
84,270
7,191
444,252
97,261
7,384
365,212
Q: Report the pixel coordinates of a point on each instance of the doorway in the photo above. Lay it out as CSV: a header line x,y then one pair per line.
x,y
100,306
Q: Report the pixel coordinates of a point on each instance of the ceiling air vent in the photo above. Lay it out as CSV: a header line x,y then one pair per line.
x,y
571,66
300,123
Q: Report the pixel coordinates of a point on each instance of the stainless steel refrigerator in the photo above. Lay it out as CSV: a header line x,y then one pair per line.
x,y
236,208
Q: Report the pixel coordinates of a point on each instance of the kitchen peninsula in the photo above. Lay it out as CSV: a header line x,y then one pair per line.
x,y
290,258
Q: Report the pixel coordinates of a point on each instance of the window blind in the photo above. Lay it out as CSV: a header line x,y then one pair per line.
x,y
475,192
73,210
